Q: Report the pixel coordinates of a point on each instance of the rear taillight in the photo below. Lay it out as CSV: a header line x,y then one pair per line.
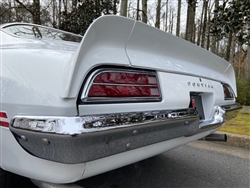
x,y
124,84
4,119
228,93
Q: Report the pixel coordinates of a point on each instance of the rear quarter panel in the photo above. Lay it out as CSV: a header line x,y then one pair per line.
x,y
31,73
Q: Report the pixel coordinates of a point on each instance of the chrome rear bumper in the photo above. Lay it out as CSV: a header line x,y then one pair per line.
x,y
82,139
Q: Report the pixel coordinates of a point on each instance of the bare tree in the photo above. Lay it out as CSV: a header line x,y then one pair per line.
x,y
115,7
54,13
34,10
178,19
65,4
229,44
190,19
59,12
233,51
158,14
137,9
200,26
171,19
204,30
144,11
248,63
124,8
208,34
194,33
213,46
241,65
166,15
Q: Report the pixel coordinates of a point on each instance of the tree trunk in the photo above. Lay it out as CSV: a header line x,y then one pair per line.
x,y
65,4
213,46
178,19
115,8
54,13
124,8
158,14
60,13
233,50
144,11
107,7
204,24
229,44
137,9
217,47
208,33
200,26
248,63
242,57
36,15
194,33
171,20
166,24
190,19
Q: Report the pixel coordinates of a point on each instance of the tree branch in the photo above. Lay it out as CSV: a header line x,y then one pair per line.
x,y
25,7
7,10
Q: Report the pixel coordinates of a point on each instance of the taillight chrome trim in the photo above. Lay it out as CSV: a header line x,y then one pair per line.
x,y
94,100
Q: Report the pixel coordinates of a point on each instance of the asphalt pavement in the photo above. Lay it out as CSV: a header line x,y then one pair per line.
x,y
200,164
197,164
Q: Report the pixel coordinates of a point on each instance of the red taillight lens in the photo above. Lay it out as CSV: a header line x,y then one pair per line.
x,y
3,119
124,84
3,115
126,78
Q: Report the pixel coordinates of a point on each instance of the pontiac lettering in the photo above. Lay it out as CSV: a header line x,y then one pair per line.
x,y
194,84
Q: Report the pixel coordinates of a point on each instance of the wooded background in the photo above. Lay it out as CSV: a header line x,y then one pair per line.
x,y
220,26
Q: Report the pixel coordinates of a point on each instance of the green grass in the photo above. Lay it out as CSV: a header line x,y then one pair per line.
x,y
240,124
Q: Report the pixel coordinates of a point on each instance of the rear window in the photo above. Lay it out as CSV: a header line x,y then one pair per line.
x,y
39,32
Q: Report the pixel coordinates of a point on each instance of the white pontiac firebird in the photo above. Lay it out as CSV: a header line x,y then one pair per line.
x,y
73,107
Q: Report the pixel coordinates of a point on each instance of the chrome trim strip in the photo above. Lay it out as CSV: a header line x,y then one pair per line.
x,y
103,122
85,124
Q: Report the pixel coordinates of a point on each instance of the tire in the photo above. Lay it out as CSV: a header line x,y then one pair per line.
x,y
6,179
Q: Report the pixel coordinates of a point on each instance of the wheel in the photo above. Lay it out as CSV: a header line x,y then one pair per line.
x,y
6,179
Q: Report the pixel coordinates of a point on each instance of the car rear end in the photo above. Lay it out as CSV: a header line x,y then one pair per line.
x,y
128,92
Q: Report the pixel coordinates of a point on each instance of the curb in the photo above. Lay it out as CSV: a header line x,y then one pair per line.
x,y
236,140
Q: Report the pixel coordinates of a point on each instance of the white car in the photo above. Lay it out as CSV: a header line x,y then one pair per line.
x,y
73,107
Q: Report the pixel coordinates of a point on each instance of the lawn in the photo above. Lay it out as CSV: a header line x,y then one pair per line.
x,y
240,124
